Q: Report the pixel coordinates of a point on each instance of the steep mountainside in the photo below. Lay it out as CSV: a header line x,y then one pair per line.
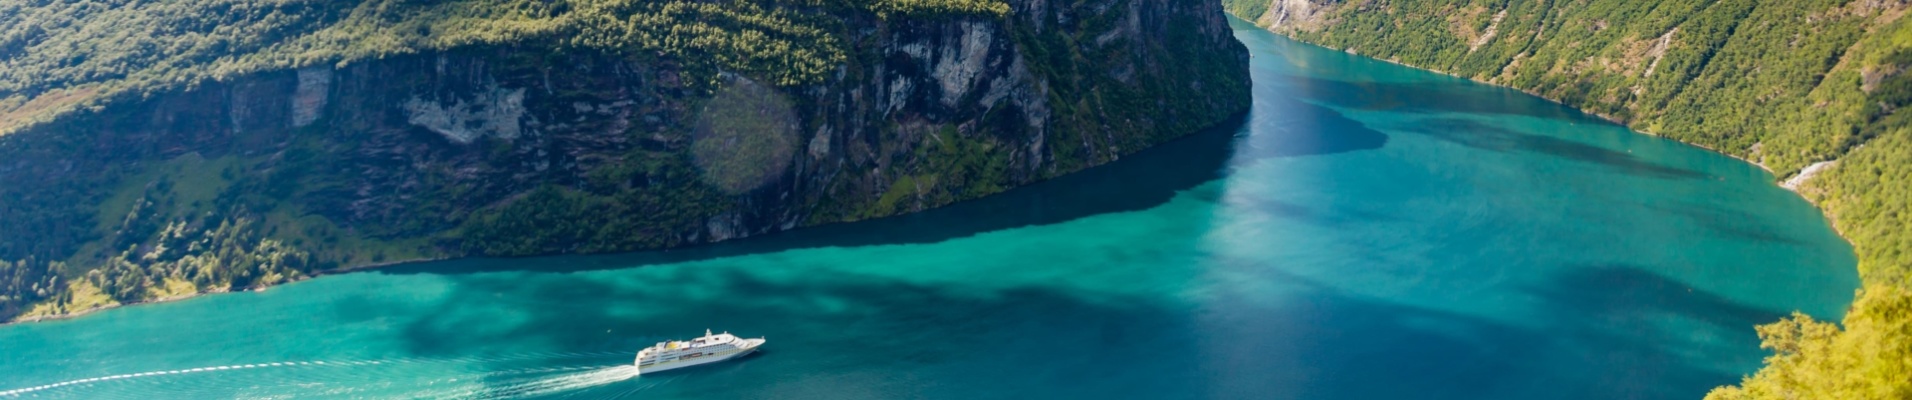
x,y
1810,89
228,144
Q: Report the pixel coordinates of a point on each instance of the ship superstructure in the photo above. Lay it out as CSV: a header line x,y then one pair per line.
x,y
704,350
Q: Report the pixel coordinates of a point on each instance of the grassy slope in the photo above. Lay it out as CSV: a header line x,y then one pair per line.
x,y
1782,83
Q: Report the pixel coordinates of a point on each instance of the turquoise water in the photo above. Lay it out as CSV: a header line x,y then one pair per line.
x,y
1368,231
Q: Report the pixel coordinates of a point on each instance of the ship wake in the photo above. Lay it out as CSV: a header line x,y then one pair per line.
x,y
51,386
526,375
560,384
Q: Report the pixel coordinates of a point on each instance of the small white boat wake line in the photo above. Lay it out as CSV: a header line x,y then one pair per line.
x,y
592,375
21,391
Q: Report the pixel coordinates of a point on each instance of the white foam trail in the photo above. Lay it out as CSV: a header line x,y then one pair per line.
x,y
21,391
562,383
570,382
550,385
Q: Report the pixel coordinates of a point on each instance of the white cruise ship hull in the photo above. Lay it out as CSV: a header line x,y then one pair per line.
x,y
745,348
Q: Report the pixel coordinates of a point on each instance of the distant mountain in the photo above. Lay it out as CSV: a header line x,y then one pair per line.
x,y
1810,89
162,149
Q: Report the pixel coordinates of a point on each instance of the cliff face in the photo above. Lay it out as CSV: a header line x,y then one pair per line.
x,y
1287,15
523,149
1810,89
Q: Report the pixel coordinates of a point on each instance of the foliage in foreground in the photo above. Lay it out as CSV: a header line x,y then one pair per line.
x,y
1871,357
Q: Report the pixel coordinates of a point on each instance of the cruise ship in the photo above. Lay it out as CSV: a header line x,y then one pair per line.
x,y
704,350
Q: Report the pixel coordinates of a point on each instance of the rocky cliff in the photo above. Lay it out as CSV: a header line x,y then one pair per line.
x,y
540,147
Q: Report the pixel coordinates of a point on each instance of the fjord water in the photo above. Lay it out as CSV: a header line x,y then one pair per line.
x,y
1367,231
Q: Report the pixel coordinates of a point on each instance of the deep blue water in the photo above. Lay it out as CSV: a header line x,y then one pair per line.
x,y
1368,231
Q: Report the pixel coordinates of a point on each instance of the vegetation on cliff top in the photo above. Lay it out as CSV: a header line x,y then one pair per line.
x,y
58,57
206,204
208,229
1783,83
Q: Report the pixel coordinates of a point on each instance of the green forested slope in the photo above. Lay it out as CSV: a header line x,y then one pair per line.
x,y
1782,83
156,150
187,220
62,56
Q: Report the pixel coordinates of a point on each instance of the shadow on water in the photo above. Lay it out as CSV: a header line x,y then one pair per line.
x,y
1604,305
1437,96
1286,127
1730,222
1615,294
1144,180
924,331
1485,136
1623,322
1606,316
1140,181
1428,93
1319,344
